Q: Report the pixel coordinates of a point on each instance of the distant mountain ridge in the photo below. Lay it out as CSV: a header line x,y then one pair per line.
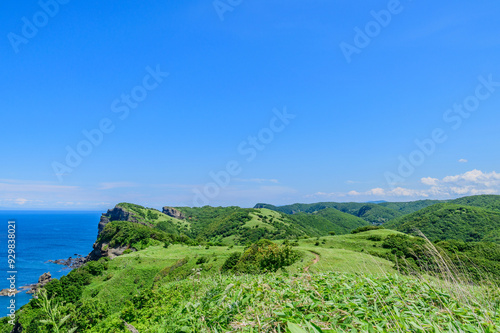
x,y
130,226
372,213
473,218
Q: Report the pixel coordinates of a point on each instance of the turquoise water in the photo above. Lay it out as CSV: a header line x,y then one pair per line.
x,y
40,236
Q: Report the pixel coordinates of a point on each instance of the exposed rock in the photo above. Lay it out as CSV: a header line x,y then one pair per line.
x,y
71,262
170,211
103,250
7,292
130,327
42,281
17,328
116,214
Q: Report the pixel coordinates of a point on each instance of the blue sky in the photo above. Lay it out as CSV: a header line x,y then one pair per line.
x,y
262,95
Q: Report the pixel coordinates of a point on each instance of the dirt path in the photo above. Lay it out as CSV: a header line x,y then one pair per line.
x,y
315,261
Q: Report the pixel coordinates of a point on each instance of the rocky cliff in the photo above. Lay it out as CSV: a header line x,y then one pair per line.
x,y
172,212
102,249
116,214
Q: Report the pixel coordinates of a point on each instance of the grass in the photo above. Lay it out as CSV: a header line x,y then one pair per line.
x,y
347,261
144,213
257,221
131,273
325,302
265,215
347,290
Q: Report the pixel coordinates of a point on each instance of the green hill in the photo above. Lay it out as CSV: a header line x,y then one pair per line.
x,y
341,285
214,269
370,212
450,221
491,202
213,225
323,222
409,207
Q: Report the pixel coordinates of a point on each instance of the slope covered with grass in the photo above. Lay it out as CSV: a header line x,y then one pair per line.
x,y
449,221
237,226
325,221
202,274
370,212
490,202
410,207
333,289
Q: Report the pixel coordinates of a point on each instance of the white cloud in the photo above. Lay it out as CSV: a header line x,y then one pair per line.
x,y
475,177
257,180
377,191
474,182
463,160
113,185
429,181
12,185
21,201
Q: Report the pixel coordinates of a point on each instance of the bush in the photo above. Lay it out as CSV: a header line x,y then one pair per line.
x,y
202,260
266,256
231,262
96,268
375,238
366,228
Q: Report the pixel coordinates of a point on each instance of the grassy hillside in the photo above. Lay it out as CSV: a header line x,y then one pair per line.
x,y
325,221
409,207
370,212
450,221
340,284
155,218
491,202
221,226
214,271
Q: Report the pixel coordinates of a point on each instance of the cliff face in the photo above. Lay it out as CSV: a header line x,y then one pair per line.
x,y
116,214
102,249
170,211
119,213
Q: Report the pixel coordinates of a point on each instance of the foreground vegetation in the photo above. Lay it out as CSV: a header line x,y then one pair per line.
x,y
228,269
325,302
336,284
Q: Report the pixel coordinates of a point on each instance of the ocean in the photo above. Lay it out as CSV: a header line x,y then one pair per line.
x,y
41,236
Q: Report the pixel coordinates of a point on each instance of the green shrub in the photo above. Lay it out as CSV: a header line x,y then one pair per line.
x,y
202,260
366,228
231,261
266,256
375,238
